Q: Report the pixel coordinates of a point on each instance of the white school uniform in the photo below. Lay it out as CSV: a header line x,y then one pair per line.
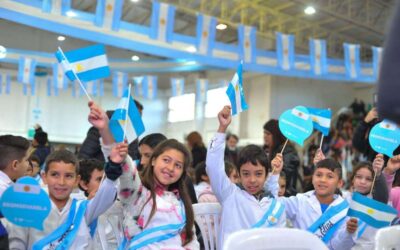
x,y
23,238
5,182
304,209
204,192
240,210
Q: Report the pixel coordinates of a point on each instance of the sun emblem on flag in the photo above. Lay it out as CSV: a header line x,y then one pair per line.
x,y
285,51
370,211
318,56
79,67
109,7
162,21
387,125
272,219
314,119
26,70
205,33
237,88
247,44
27,188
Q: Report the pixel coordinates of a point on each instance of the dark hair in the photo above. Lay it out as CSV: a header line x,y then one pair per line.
x,y
360,165
194,139
332,165
278,138
62,156
12,148
253,154
282,175
152,140
229,167
34,158
232,135
86,168
199,171
148,180
41,138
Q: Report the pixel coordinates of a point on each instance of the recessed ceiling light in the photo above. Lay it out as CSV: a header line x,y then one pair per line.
x,y
135,58
61,38
134,1
221,26
191,49
3,52
309,10
70,13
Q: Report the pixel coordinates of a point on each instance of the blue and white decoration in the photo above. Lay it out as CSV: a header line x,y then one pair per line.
x,y
162,21
120,83
352,60
138,86
377,53
177,86
201,90
235,92
57,7
247,43
384,137
150,87
59,78
285,51
5,84
108,14
205,34
26,70
318,56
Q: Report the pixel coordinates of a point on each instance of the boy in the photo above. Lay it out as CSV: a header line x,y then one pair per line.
x,y
91,172
34,170
247,205
67,225
13,165
322,211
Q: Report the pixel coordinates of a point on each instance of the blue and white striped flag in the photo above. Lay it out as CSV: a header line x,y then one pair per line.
x,y
205,34
26,70
162,21
29,89
108,14
91,88
247,43
318,56
75,89
89,63
150,87
120,83
201,90
177,86
5,84
138,86
59,79
126,120
377,53
352,59
50,87
374,213
235,92
57,7
321,119
285,51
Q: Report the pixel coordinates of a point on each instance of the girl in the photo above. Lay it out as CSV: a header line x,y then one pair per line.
x,y
203,189
157,210
392,175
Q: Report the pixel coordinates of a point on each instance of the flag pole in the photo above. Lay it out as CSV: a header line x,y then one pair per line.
x,y
76,76
373,183
127,110
322,140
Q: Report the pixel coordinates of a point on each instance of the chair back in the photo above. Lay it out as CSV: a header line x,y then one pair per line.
x,y
388,238
207,217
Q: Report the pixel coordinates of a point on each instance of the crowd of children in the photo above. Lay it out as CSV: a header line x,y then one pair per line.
x,y
151,198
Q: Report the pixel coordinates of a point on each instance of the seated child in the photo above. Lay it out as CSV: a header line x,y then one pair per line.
x,y
282,184
247,205
34,170
231,172
13,165
67,225
203,189
91,172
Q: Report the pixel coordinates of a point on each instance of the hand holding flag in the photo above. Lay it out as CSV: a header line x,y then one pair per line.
x,y
235,92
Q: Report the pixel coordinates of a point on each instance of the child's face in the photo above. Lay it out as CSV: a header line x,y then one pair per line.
x,y
325,182
362,181
145,153
61,179
252,177
233,176
282,186
35,168
168,166
93,185
20,167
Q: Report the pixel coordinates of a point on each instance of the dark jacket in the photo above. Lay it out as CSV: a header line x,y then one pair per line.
x,y
199,154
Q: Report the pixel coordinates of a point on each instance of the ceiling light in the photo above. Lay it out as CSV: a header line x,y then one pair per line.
x,y
70,14
3,52
134,1
221,26
191,49
309,10
61,38
135,58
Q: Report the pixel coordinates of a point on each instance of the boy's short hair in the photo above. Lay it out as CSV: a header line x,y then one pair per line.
x,y
332,165
86,168
62,156
253,154
12,148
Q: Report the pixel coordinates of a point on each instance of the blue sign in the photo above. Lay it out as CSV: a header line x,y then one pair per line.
x,y
296,124
384,137
25,204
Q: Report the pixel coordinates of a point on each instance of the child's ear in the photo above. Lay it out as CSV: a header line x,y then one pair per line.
x,y
83,185
78,180
14,164
340,183
44,177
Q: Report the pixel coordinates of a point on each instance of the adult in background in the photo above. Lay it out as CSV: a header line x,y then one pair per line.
x,y
231,151
273,144
197,148
40,144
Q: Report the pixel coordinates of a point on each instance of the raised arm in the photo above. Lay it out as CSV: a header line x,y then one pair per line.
x,y
98,118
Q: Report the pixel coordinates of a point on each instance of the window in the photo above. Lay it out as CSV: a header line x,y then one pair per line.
x,y
216,99
181,108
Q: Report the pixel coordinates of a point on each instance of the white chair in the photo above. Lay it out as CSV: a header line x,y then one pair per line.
x,y
207,217
109,231
273,238
388,238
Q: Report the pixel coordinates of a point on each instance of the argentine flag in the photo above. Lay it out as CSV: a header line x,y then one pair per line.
x,y
235,92
150,87
318,59
285,51
321,119
377,53
126,120
205,34
108,14
120,83
89,63
201,90
162,21
352,59
177,86
26,70
372,212
247,41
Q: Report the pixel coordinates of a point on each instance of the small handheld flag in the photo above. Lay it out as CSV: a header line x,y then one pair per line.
x,y
321,119
235,92
372,212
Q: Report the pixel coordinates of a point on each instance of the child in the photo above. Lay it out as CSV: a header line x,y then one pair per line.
x,y
248,205
203,189
91,173
322,211
147,145
231,172
34,170
392,175
13,165
63,230
282,184
158,212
